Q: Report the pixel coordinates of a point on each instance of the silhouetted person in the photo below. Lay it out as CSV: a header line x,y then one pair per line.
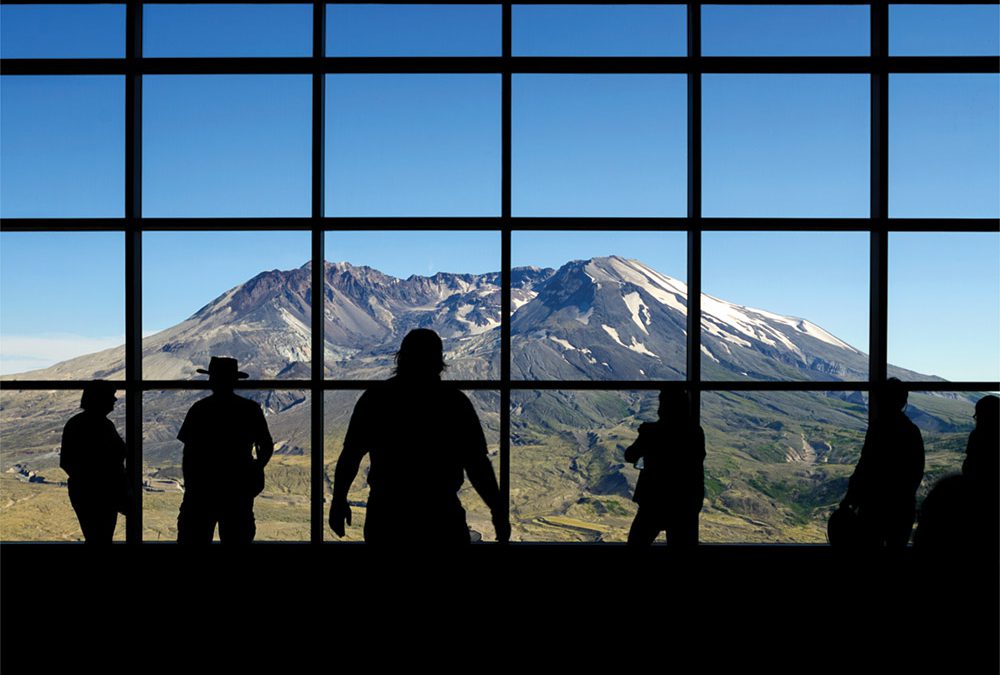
x,y
982,455
962,512
221,475
884,485
671,485
93,455
422,435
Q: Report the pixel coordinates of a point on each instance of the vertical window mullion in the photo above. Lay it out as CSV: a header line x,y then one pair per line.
x,y
316,518
694,206
879,279
133,266
505,257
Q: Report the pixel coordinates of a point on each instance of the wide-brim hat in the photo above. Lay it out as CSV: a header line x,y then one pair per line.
x,y
223,368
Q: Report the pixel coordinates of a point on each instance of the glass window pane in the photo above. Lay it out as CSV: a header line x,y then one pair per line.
x,y
944,306
62,31
413,30
599,145
568,478
281,511
240,294
413,145
944,145
778,463
63,146
598,305
338,408
762,30
226,145
62,305
786,146
381,285
35,505
770,312
599,30
944,30
227,30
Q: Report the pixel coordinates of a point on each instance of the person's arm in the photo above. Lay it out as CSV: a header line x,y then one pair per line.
x,y
856,482
347,468
480,472
264,442
637,450
69,451
917,474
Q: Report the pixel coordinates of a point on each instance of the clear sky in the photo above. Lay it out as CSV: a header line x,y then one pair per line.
x,y
583,145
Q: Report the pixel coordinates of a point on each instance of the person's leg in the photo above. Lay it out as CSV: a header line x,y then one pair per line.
x,y
92,512
195,522
682,530
236,522
643,531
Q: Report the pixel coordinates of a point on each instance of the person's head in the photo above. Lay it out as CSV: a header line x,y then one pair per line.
x,y
98,397
988,412
222,374
421,355
674,403
891,397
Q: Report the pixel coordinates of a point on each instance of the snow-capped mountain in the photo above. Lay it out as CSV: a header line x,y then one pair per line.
x,y
604,318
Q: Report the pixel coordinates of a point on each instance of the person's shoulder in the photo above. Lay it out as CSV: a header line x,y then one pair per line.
x,y
248,403
77,421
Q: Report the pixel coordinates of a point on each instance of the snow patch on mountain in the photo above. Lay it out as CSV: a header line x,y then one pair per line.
x,y
634,303
635,345
662,288
565,344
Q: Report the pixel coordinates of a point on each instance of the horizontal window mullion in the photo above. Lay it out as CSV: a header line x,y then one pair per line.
x,y
497,65
945,225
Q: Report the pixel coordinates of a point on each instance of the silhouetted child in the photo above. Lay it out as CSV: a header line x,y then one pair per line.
x,y
423,436
671,485
221,475
93,455
884,485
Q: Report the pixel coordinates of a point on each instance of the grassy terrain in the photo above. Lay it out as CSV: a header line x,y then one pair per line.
x,y
777,463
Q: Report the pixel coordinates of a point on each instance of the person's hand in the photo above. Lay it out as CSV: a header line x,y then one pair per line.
x,y
340,513
501,523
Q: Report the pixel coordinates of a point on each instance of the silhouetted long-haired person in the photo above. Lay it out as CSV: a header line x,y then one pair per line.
x,y
93,455
422,435
671,486
221,474
884,485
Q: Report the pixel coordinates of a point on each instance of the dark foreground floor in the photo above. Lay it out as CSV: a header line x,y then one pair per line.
x,y
299,608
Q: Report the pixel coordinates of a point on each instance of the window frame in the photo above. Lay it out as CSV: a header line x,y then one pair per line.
x,y
878,66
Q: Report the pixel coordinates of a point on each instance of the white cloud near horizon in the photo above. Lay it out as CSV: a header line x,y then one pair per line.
x,y
22,353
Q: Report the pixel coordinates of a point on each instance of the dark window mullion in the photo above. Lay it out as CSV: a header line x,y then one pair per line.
x,y
505,258
694,210
879,169
133,267
317,483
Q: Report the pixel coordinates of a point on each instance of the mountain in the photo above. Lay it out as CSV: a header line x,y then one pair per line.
x,y
777,460
604,318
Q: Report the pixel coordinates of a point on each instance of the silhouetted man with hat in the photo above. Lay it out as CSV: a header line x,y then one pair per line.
x,y
93,456
423,436
221,474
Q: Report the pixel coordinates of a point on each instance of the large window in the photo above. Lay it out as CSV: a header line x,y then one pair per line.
x,y
775,206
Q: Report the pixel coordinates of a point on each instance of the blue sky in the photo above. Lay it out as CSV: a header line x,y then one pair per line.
x,y
582,145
